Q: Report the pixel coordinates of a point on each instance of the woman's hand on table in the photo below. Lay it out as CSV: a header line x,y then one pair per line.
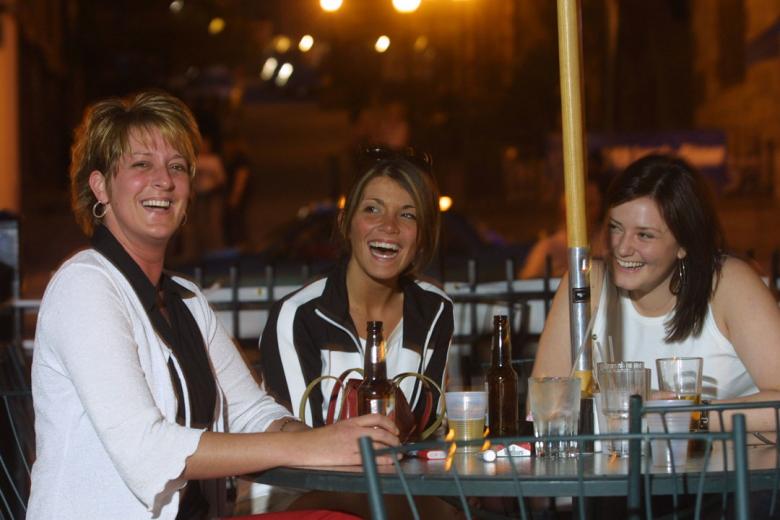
x,y
337,444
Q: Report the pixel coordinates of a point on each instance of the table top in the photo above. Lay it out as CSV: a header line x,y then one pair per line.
x,y
601,475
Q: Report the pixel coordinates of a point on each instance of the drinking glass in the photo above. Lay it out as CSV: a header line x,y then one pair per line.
x,y
680,378
466,416
618,382
555,408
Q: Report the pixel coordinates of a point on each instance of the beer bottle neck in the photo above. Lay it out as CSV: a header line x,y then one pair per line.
x,y
374,367
502,348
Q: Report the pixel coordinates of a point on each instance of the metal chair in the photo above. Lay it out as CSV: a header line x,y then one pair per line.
x,y
738,472
582,482
17,450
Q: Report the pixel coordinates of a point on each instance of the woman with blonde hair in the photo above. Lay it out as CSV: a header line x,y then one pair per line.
x,y
142,402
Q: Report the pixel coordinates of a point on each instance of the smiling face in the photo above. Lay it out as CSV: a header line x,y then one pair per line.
x,y
644,251
146,198
383,232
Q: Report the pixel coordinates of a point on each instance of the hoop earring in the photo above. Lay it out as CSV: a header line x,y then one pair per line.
x,y
96,210
184,220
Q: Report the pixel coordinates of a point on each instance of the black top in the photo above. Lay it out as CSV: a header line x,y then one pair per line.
x,y
319,325
182,335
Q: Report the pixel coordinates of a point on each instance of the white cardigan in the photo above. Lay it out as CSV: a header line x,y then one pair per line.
x,y
107,441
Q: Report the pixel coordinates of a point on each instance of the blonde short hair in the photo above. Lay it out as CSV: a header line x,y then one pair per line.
x,y
103,137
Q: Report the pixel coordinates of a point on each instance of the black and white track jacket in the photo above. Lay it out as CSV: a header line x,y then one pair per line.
x,y
310,333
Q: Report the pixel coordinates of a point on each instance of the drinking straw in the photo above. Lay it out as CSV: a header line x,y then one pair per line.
x,y
611,350
584,342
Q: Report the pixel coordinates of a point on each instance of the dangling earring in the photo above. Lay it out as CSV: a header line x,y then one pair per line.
x,y
96,210
184,220
680,280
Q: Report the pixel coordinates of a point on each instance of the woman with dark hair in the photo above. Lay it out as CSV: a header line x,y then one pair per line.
x,y
389,229
666,288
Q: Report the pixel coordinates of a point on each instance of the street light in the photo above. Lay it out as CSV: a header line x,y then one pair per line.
x,y
269,67
406,6
330,5
306,43
216,25
176,6
285,71
382,44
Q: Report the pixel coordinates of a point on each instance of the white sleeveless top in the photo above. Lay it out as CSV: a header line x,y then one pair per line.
x,y
641,338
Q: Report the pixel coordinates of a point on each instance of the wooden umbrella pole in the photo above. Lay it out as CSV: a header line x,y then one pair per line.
x,y
574,175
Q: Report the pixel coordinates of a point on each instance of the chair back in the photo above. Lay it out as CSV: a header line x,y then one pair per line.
x,y
736,468
633,482
17,449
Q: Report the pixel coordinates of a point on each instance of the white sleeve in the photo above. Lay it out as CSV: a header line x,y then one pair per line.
x,y
86,327
249,407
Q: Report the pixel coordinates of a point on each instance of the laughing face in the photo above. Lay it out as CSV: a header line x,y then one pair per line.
x,y
644,250
146,199
383,231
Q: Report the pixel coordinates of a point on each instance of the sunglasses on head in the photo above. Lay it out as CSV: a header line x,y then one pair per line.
x,y
422,160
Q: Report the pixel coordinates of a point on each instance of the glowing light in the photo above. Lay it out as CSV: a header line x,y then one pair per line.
x,y
216,25
445,203
421,43
282,44
406,6
285,71
382,44
342,202
330,5
269,67
450,435
306,43
176,6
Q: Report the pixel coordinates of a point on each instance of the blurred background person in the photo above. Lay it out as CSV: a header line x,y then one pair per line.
x,y
204,233
555,245
238,169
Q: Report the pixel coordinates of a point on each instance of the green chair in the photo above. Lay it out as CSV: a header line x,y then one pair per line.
x,y
735,475
581,480
17,448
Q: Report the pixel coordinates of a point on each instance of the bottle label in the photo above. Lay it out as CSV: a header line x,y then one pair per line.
x,y
382,406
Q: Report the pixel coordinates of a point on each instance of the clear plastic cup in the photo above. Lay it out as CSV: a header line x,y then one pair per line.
x,y
466,416
669,453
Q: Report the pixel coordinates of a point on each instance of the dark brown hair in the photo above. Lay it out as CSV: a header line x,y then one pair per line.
x,y
420,185
685,202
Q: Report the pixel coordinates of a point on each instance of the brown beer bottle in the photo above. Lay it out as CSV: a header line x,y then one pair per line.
x,y
375,394
502,384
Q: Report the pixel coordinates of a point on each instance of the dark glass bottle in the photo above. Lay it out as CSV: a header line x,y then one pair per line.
x,y
502,383
376,393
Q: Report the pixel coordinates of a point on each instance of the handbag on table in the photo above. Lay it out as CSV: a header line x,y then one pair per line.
x,y
345,392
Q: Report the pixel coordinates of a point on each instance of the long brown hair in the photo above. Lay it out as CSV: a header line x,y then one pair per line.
x,y
685,201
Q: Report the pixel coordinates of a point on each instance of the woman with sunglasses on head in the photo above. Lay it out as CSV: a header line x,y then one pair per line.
x,y
389,229
142,402
667,289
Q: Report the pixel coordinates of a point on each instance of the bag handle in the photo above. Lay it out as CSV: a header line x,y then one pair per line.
x,y
426,413
340,383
